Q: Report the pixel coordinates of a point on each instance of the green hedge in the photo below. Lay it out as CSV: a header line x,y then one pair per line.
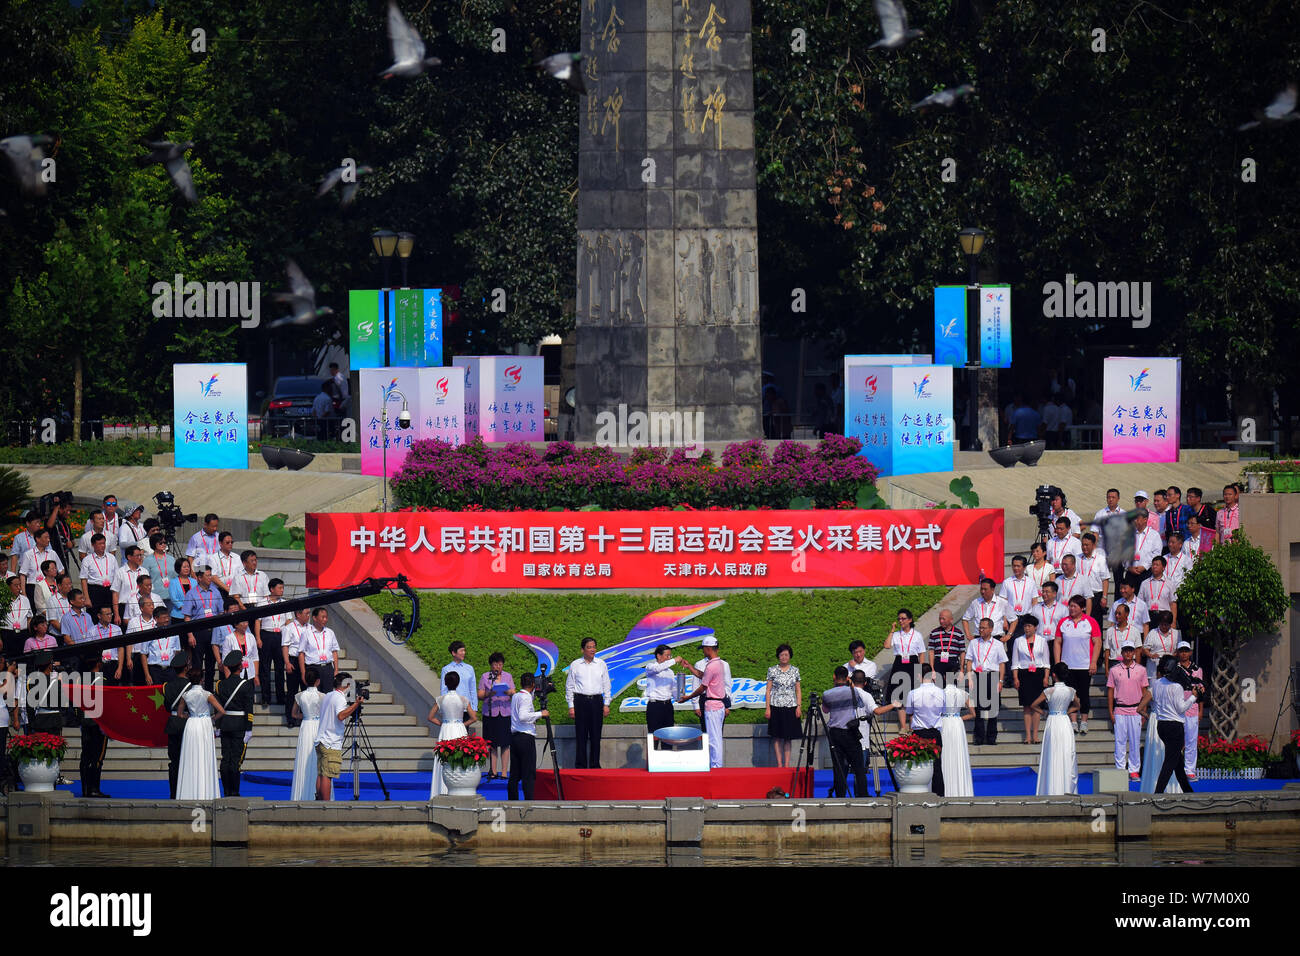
x,y
749,626
122,451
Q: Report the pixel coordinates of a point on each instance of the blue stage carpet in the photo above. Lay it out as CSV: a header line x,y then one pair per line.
x,y
1017,782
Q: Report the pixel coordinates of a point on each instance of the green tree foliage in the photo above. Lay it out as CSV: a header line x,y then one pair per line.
x,y
118,229
1233,594
1116,165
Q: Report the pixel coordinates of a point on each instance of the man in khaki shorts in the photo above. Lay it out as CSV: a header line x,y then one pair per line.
x,y
334,711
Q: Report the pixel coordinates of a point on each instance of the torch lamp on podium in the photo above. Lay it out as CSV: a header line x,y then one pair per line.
x,y
677,749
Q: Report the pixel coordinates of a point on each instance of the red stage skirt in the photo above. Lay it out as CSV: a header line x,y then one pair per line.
x,y
739,783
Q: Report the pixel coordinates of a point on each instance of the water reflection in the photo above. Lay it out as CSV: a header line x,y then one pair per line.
x,y
1254,851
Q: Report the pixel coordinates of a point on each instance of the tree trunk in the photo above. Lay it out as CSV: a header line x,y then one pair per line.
x,y
1225,694
78,381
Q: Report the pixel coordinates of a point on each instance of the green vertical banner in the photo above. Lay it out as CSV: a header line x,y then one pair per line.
x,y
365,329
406,347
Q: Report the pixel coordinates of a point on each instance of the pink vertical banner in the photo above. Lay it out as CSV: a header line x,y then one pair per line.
x,y
1140,410
383,388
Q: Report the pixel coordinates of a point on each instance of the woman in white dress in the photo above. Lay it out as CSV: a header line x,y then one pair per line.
x,y
448,715
957,780
1153,754
198,778
306,708
1058,767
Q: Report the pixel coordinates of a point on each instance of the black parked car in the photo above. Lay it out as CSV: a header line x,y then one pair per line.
x,y
287,411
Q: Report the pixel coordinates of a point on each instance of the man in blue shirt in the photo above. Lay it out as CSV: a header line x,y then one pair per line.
x,y
77,626
1177,513
203,600
458,665
1024,421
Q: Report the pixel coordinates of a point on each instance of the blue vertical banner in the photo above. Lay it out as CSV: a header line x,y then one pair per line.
x,y
995,326
210,415
902,414
950,325
432,327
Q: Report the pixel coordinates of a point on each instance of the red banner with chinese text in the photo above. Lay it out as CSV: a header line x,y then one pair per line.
x,y
655,549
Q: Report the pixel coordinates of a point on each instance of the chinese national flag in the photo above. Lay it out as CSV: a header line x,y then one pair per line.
x,y
134,715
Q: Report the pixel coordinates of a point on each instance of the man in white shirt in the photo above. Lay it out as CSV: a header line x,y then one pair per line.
x,y
334,712
239,639
250,585
46,588
1158,591
160,651
295,630
1092,564
924,710
858,660
1122,631
1146,545
225,564
99,572
24,541
29,569
204,543
270,631
1062,543
112,519
320,647
523,737
17,618
60,603
1177,561
1139,614
1050,611
1071,582
1112,509
1161,641
125,583
661,689
588,694
987,605
142,621
988,660
1018,591
96,526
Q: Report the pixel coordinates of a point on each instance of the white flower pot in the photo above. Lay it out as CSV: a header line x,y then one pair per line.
x,y
1250,773
461,783
914,777
1256,482
39,777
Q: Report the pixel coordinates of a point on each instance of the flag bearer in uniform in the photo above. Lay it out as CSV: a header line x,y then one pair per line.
x,y
236,696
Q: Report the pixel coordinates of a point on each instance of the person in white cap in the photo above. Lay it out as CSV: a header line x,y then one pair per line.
x,y
713,688
1127,695
130,533
1146,545
1192,717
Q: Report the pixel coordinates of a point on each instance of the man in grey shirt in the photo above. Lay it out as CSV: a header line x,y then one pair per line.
x,y
842,705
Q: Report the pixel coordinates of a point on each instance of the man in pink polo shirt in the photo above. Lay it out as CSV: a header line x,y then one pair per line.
x,y
713,688
1127,693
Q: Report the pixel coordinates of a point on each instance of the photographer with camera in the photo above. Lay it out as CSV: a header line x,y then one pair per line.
x,y
841,706
523,739
334,710
1170,703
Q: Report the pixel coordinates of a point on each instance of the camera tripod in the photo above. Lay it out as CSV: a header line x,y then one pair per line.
x,y
808,749
356,743
550,742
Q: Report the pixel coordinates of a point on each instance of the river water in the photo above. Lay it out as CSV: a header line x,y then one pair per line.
x,y
1224,852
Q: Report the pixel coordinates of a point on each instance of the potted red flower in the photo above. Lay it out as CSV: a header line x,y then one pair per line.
x,y
462,761
38,756
1241,759
912,759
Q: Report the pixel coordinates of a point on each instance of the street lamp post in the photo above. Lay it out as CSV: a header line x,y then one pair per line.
x,y
972,244
385,394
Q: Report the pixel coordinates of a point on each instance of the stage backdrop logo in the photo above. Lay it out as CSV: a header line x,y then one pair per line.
x,y
1140,409
210,415
621,549
905,422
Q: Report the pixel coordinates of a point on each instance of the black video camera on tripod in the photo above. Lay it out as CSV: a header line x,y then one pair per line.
x,y
1042,509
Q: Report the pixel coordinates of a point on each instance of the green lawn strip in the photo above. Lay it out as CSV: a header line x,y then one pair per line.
x,y
749,626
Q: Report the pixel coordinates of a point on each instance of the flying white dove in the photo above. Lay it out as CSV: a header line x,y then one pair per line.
x,y
893,25
172,157
1281,110
407,46
335,176
945,98
566,68
301,299
23,156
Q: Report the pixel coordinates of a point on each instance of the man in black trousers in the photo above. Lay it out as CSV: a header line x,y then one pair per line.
x,y
588,693
172,690
94,745
523,739
236,696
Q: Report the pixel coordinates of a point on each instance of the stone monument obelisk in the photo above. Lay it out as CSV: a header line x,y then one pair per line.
x,y
667,298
